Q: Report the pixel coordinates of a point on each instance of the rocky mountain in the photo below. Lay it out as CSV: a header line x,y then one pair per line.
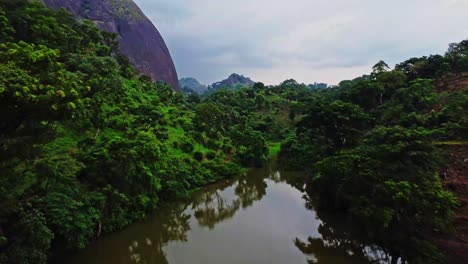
x,y
139,39
233,81
192,84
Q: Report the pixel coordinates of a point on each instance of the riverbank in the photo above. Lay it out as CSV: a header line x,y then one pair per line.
x,y
258,217
456,180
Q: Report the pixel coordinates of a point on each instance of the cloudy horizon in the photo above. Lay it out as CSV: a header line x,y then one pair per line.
x,y
307,40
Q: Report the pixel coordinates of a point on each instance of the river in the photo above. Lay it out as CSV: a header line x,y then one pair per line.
x,y
260,217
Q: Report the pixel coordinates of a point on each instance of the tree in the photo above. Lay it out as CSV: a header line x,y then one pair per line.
x,y
366,94
457,55
332,126
432,67
258,86
208,117
289,82
292,115
379,68
391,81
5,28
260,101
420,96
31,238
389,184
251,146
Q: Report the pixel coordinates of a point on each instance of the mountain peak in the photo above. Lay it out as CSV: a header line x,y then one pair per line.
x,y
235,75
192,84
234,80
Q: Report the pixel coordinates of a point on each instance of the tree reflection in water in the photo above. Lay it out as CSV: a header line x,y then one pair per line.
x,y
148,242
340,242
250,190
173,225
215,206
211,206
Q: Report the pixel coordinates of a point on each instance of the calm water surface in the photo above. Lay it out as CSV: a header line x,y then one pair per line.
x,y
257,218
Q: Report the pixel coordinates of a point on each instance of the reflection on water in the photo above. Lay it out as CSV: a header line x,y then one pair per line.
x,y
261,217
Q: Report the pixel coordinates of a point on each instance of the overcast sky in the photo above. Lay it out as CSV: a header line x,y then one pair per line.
x,y
307,40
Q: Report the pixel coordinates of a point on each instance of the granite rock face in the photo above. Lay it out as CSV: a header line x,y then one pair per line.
x,y
139,39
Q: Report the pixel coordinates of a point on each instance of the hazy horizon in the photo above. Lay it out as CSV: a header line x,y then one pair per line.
x,y
307,40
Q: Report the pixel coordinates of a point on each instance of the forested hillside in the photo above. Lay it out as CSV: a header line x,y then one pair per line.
x,y
88,145
370,146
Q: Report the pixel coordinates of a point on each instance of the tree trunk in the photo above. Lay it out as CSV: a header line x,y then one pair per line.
x,y
99,229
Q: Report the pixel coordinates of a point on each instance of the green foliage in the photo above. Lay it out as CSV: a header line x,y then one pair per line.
x,y
73,221
274,148
388,184
252,149
453,117
371,152
366,94
29,240
457,55
86,145
326,128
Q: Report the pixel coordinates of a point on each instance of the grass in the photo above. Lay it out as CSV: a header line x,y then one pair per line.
x,y
199,147
176,134
273,98
274,148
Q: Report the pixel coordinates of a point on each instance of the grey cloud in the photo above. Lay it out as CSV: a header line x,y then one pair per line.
x,y
210,39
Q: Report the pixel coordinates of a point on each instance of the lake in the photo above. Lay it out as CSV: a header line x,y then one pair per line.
x,y
261,217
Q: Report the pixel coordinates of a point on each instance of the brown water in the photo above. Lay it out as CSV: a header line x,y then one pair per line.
x,y
257,218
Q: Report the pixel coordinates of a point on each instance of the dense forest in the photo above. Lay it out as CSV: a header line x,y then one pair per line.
x,y
88,145
370,146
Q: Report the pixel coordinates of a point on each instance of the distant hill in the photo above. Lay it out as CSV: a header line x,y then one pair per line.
x,y
191,84
234,81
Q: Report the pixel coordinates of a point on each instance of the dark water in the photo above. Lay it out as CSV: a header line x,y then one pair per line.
x,y
257,218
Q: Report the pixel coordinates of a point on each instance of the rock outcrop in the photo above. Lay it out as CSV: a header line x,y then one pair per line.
x,y
139,39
